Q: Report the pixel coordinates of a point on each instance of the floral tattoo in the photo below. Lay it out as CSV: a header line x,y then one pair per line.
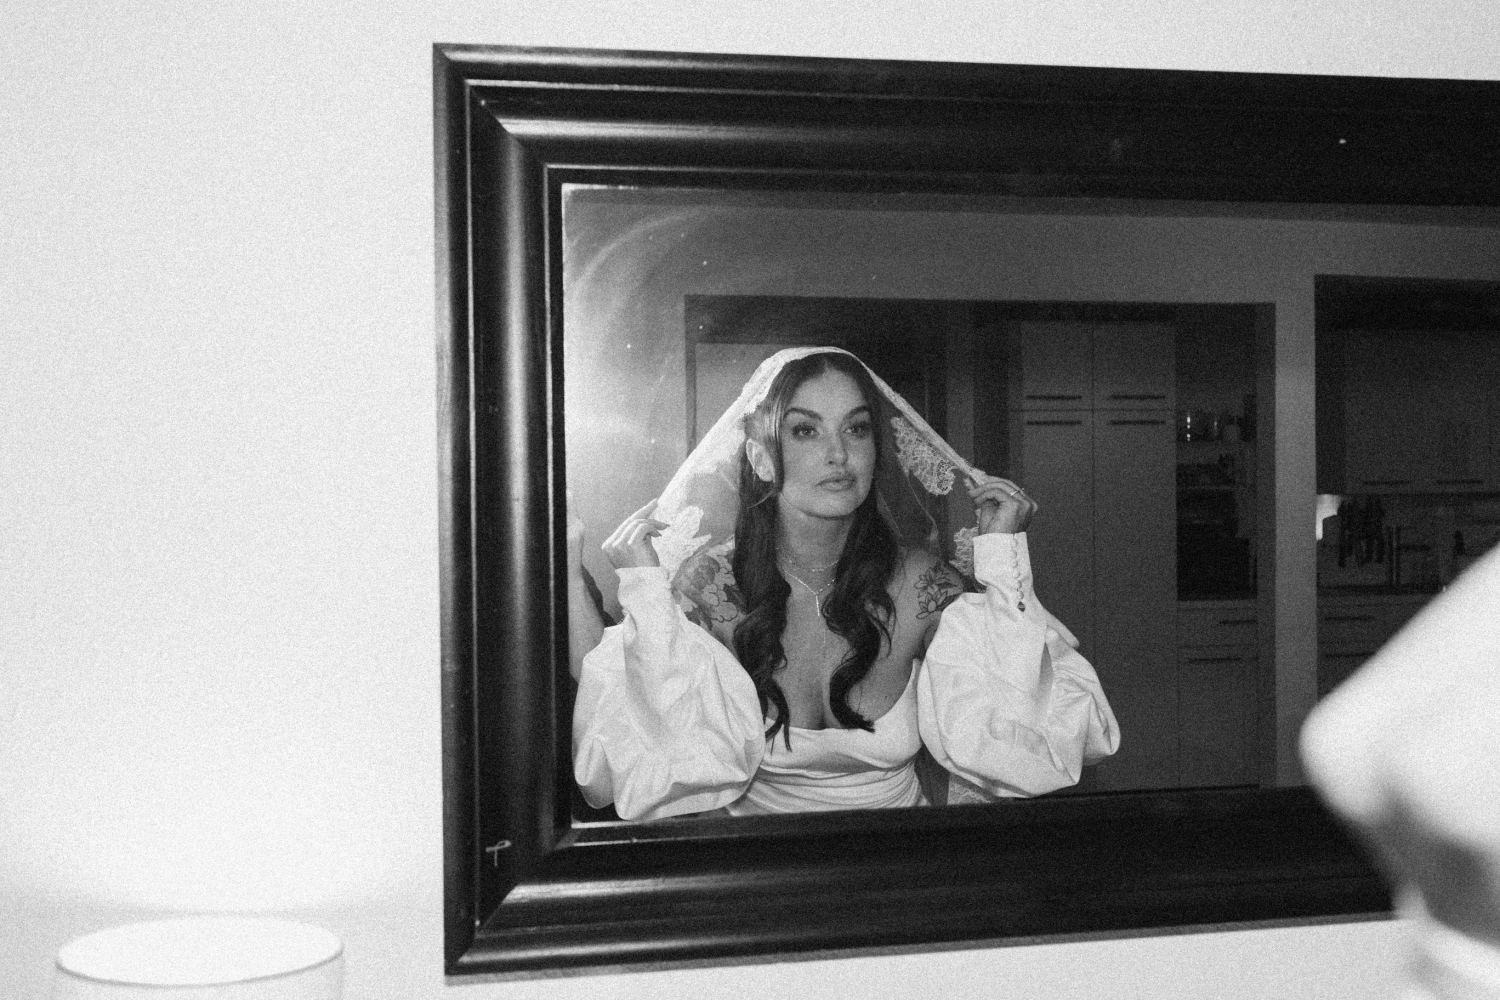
x,y
711,597
936,589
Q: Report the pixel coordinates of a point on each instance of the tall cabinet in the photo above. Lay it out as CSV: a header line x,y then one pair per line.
x,y
1092,439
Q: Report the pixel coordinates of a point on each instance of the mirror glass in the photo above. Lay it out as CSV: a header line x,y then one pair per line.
x,y
1408,475
1145,370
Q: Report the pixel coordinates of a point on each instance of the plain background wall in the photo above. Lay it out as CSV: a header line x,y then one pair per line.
x,y
218,578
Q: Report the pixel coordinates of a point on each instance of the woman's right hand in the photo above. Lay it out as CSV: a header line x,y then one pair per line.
x,y
1000,506
630,545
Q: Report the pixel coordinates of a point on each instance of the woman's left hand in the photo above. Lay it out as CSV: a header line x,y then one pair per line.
x,y
1001,507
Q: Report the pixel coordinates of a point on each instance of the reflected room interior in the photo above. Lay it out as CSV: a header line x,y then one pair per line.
x,y
1147,373
1127,423
1408,476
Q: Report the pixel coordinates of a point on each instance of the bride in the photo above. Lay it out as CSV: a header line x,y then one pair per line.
x,y
793,637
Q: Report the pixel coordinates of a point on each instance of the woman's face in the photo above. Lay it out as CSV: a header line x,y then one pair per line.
x,y
827,447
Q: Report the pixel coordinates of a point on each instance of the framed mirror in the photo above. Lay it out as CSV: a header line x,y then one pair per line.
x,y
1098,282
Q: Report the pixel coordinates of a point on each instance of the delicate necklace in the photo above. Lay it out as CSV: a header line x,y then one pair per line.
x,y
810,569
817,594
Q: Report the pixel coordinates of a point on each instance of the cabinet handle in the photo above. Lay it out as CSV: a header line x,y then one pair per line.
x,y
1387,482
1237,621
1144,423
1139,396
1053,423
1050,399
1215,659
1349,618
1458,482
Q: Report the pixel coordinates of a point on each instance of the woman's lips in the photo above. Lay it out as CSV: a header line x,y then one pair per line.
x,y
837,483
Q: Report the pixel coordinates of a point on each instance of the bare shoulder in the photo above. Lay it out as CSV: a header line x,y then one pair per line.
x,y
926,584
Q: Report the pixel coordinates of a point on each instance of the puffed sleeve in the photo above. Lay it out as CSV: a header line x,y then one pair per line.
x,y
1005,701
666,721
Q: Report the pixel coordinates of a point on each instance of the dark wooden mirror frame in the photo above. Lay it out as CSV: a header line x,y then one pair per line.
x,y
526,891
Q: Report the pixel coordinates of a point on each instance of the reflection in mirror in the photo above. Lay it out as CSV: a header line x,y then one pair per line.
x,y
1408,476
1145,372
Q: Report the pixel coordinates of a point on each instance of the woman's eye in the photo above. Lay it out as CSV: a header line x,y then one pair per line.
x,y
803,430
859,430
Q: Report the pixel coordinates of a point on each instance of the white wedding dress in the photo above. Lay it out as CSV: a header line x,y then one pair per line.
x,y
667,722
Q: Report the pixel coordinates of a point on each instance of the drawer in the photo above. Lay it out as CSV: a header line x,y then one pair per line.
x,y
1353,625
1217,710
1233,626
1368,623
1398,613
1335,667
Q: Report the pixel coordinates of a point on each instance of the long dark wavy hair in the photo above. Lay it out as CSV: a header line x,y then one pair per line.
x,y
860,606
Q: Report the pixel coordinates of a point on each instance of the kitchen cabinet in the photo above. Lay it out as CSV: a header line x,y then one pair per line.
x,y
1419,412
1217,624
1062,365
1092,438
1050,365
1054,460
1134,366
1353,627
1135,580
1218,693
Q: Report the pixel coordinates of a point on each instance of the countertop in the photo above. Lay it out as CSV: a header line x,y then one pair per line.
x,y
1380,593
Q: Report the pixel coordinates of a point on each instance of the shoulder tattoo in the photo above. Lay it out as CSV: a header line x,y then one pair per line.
x,y
937,588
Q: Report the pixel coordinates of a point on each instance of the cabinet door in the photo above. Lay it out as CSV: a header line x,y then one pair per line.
x,y
1349,633
1343,625
1233,624
1135,594
1455,405
1217,713
1417,411
1384,413
1050,365
1054,462
1135,366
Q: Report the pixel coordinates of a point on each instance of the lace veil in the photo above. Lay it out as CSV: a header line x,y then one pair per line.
x,y
701,501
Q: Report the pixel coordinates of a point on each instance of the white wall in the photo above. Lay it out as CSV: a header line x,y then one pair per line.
x,y
218,600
